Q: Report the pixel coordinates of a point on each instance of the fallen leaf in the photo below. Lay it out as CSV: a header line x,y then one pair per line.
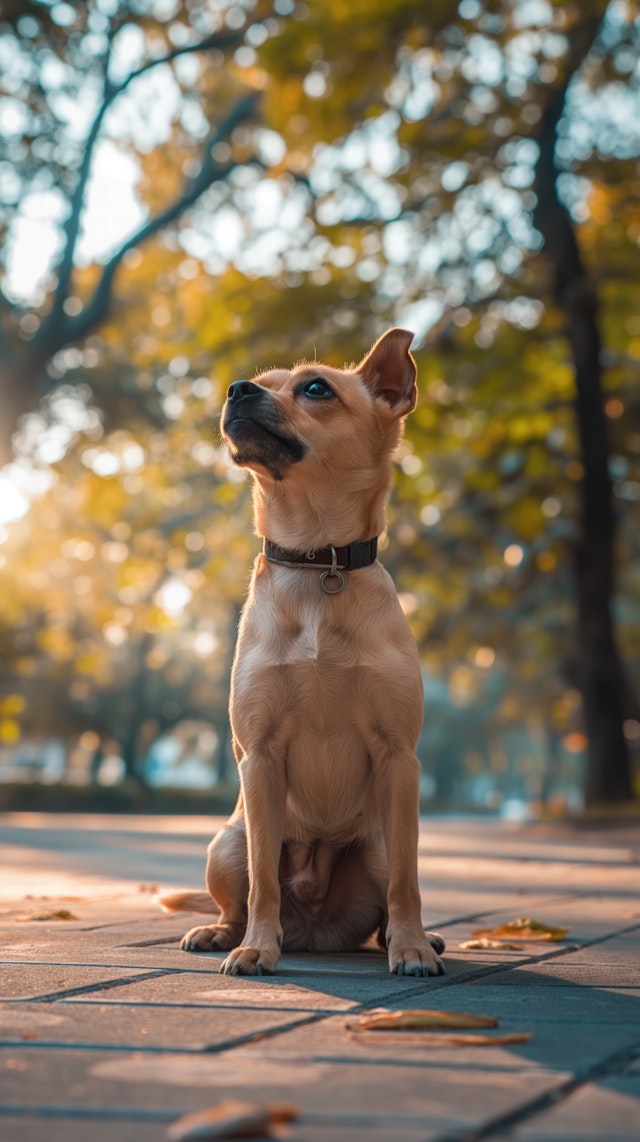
x,y
434,1040
60,914
420,1020
474,945
523,928
230,1119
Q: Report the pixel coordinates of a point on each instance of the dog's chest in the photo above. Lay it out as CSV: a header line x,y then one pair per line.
x,y
321,687
324,643
320,636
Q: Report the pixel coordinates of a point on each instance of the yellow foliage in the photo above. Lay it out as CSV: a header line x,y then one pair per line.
x,y
11,705
9,731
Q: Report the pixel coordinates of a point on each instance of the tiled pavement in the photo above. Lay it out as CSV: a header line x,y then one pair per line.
x,y
109,1031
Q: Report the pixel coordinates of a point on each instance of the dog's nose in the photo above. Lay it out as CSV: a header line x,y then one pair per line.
x,y
241,389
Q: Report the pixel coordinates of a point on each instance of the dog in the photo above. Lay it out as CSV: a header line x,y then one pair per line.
x,y
326,702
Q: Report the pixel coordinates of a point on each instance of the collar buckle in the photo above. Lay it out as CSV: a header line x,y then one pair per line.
x,y
330,560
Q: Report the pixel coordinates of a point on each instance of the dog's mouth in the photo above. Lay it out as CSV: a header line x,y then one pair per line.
x,y
254,441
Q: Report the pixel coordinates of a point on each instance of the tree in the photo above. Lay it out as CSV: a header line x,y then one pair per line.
x,y
120,586
462,87
599,671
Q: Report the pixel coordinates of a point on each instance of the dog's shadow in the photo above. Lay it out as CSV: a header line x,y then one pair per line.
x,y
581,1031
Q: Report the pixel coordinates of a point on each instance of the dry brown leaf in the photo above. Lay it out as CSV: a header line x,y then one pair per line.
x,y
59,914
474,945
230,1119
420,1020
523,928
431,1040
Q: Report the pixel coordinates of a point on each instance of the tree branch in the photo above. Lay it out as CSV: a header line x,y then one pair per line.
x,y
57,329
210,172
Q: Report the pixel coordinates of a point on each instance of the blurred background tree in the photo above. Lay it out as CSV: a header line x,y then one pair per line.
x,y
191,191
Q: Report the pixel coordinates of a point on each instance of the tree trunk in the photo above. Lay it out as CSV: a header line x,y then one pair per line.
x,y
20,390
130,737
600,674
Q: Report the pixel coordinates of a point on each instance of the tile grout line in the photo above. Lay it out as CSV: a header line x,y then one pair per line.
x,y
437,984
86,989
149,1049
274,1032
486,970
614,1063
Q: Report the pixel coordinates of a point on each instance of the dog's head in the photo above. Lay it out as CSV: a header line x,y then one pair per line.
x,y
322,431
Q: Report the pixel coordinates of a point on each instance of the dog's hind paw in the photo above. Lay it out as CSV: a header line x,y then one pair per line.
x,y
436,941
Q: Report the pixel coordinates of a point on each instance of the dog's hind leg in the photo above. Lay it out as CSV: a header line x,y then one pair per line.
x,y
228,884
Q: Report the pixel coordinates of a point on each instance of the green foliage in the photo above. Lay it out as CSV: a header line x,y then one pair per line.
x,y
383,173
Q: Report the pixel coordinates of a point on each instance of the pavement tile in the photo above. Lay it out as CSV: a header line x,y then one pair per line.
x,y
558,1046
586,920
231,993
103,946
315,985
126,1059
559,973
28,1128
608,1111
44,1025
438,1097
45,1128
30,981
326,981
498,995
441,1097
619,951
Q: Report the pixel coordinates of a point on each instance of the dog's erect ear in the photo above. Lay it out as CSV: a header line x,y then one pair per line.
x,y
389,371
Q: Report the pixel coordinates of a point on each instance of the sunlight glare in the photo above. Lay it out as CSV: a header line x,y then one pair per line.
x,y
13,504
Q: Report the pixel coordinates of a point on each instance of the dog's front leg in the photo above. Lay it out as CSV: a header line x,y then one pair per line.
x,y
263,793
412,951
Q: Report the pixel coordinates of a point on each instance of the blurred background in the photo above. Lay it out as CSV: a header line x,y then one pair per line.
x,y
191,191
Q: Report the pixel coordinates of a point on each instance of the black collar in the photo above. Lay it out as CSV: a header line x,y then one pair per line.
x,y
349,558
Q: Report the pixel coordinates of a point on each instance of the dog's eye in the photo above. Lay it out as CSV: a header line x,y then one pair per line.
x,y
317,389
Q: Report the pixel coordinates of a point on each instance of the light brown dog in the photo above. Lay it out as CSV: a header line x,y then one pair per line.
x,y
326,698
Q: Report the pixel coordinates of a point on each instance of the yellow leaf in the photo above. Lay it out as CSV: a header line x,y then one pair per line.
x,y
474,945
60,914
420,1020
231,1119
431,1040
523,928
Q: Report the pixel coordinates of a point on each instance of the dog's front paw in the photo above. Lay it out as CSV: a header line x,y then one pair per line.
x,y
212,938
419,956
250,961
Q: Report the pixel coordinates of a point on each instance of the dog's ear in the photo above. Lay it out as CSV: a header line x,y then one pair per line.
x,y
389,371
